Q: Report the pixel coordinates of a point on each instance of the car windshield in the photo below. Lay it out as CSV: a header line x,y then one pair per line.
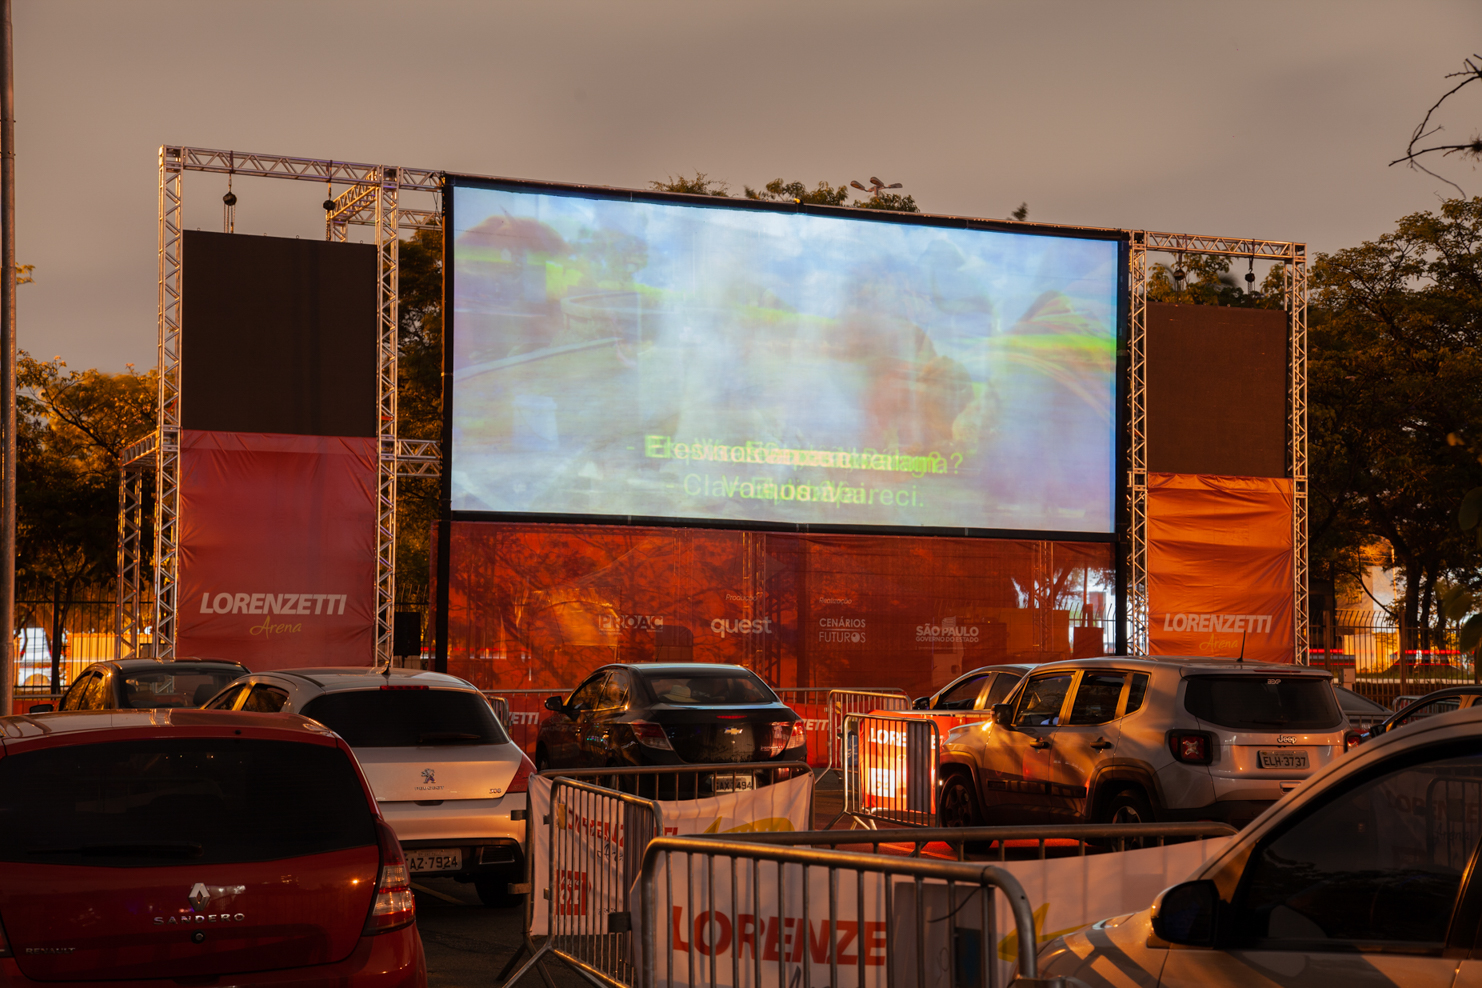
x,y
405,718
710,690
175,686
177,801
1263,703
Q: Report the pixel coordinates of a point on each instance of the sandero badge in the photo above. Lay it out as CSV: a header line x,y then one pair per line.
x,y
199,896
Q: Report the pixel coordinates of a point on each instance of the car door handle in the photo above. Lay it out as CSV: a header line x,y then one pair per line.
x,y
1041,744
1100,744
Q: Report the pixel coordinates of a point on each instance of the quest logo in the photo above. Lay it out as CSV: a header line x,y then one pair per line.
x,y
759,626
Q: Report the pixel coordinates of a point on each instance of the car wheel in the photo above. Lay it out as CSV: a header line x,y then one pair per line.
x,y
1129,806
957,806
494,891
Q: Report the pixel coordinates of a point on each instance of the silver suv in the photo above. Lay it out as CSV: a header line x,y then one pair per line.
x,y
1122,739
446,775
1366,877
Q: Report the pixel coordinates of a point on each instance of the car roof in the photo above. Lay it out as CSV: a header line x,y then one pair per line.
x,y
676,668
76,726
1464,690
134,665
336,678
1186,664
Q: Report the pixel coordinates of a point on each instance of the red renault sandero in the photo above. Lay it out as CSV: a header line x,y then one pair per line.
x,y
184,846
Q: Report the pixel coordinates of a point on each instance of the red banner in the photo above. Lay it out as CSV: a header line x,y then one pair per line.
x,y
277,549
1220,566
533,606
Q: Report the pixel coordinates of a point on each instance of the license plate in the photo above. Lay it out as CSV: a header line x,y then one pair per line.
x,y
1281,759
732,783
435,859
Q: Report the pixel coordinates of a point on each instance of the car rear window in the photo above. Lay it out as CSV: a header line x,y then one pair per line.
x,y
712,690
405,718
1263,703
174,687
161,802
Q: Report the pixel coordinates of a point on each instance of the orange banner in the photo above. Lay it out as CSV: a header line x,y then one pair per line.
x,y
1220,566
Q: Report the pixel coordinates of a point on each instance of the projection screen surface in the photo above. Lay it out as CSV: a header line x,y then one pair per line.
x,y
622,356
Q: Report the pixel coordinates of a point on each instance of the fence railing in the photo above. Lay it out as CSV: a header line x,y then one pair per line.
x,y
890,769
895,929
676,782
842,703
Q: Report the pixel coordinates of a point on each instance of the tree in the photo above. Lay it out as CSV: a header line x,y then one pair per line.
x,y
1395,398
73,427
1471,71
1206,280
419,402
780,191
777,190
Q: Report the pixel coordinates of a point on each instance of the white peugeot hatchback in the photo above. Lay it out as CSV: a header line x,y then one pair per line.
x,y
447,777
1366,876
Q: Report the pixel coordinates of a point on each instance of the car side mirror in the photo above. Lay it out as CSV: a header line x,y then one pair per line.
x,y
554,703
1185,914
921,703
40,708
1003,713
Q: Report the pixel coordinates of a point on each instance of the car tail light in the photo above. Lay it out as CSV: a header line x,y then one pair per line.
x,y
651,735
400,686
394,905
521,781
784,734
1352,740
1192,747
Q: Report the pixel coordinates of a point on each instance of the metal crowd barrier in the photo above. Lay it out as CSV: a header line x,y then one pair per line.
x,y
676,782
911,936
842,703
811,704
588,921
890,769
1088,836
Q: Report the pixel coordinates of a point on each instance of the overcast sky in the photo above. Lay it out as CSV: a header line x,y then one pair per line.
x,y
1273,120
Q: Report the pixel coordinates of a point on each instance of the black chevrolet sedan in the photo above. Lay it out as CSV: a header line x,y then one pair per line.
x,y
670,714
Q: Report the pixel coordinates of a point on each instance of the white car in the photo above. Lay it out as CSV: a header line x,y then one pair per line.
x,y
1365,876
1125,740
446,775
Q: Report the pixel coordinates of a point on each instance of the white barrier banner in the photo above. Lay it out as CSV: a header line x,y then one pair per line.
x,y
759,939
588,880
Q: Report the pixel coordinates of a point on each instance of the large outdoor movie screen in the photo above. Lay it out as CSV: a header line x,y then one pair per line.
x,y
620,355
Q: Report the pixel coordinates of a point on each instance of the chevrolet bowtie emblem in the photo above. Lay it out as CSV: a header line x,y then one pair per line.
x,y
733,730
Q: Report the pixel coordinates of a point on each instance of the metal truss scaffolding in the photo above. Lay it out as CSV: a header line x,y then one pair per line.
x,y
373,200
1293,258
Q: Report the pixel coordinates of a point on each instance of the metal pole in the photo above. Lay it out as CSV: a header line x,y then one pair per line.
x,y
7,361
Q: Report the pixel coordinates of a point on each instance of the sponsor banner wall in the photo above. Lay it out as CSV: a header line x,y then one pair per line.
x,y
541,605
590,846
1220,566
769,922
277,549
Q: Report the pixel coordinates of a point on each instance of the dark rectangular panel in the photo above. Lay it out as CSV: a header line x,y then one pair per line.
x,y
278,335
1216,390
